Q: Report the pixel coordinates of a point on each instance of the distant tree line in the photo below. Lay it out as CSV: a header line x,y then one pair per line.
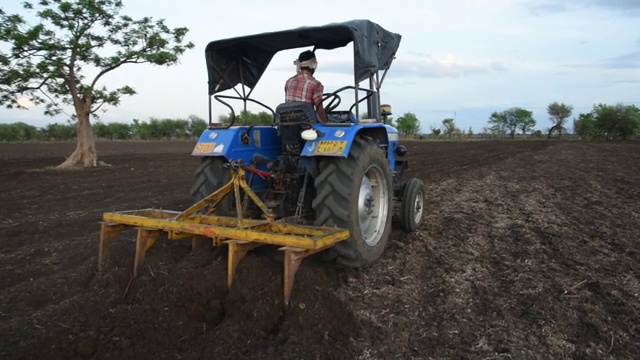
x,y
407,124
155,128
247,118
607,122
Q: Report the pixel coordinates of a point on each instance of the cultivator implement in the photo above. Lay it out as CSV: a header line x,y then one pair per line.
x,y
240,234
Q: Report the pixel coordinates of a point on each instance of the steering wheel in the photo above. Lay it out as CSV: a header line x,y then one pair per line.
x,y
335,98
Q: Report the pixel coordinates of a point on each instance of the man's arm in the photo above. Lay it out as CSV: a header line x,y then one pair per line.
x,y
321,113
317,98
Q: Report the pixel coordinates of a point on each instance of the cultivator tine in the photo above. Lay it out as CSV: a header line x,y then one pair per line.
x,y
237,251
107,233
146,238
197,241
292,259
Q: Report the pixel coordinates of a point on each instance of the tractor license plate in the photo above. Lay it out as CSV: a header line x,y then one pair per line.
x,y
331,147
204,148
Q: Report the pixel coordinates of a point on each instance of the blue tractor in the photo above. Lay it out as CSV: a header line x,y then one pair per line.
x,y
346,173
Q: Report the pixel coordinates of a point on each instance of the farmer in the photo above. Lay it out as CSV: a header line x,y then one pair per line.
x,y
303,86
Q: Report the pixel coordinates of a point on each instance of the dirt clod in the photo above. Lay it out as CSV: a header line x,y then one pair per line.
x,y
85,347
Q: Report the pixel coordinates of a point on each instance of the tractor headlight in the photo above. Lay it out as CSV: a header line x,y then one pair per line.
x,y
309,135
400,150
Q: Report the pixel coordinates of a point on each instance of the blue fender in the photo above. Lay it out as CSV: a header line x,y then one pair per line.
x,y
242,143
336,141
239,143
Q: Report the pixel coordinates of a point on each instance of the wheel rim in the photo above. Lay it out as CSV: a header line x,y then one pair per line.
x,y
373,205
418,207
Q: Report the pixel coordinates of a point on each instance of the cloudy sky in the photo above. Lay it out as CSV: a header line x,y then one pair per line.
x,y
458,58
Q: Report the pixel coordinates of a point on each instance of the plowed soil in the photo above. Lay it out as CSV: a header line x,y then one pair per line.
x,y
529,249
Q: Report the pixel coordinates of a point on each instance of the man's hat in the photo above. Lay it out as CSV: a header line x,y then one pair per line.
x,y
306,55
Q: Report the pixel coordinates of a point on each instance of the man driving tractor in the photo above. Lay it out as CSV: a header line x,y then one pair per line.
x,y
303,86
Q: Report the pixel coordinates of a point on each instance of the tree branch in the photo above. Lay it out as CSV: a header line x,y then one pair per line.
x,y
93,111
73,89
113,67
33,88
54,102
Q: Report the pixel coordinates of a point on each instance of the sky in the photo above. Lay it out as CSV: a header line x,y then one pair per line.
x,y
461,59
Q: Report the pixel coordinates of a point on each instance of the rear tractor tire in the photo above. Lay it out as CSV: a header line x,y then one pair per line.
x,y
210,176
412,205
356,193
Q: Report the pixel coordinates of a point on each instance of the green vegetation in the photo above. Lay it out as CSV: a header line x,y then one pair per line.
x,y
49,59
154,129
19,132
408,124
609,122
449,127
559,113
510,121
248,118
617,122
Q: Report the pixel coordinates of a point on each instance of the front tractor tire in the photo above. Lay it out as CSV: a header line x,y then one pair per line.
x,y
355,193
412,205
210,176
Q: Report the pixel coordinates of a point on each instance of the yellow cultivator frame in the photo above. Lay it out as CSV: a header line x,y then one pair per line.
x,y
239,234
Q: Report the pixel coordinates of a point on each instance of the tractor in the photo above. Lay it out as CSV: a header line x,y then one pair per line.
x,y
295,182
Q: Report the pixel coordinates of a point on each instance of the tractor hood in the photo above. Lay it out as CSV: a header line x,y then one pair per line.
x,y
243,60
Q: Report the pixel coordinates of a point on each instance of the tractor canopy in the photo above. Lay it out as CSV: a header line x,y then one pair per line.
x,y
243,60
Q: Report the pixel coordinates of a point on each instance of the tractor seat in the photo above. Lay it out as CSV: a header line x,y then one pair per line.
x,y
298,111
292,118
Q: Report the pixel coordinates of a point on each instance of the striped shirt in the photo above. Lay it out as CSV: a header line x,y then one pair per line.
x,y
304,87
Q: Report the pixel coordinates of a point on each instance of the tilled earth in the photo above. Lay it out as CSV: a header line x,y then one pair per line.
x,y
529,249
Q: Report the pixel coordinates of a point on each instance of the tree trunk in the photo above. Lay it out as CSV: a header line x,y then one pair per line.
x,y
551,131
85,153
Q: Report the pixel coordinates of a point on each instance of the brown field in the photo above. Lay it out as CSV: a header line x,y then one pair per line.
x,y
529,249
